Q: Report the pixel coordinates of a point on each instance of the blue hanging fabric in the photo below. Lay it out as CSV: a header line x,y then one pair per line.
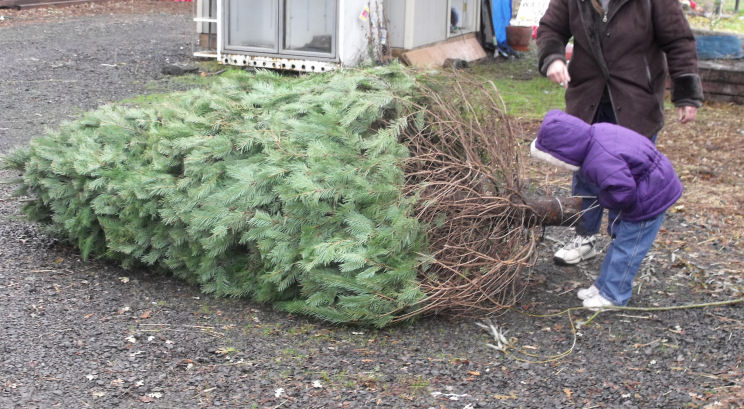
x,y
502,14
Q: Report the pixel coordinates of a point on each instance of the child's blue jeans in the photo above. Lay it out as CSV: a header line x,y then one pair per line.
x,y
631,241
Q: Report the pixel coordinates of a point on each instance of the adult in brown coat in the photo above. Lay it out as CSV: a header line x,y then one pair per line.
x,y
622,52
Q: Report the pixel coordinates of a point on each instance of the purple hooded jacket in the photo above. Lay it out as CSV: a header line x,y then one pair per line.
x,y
632,175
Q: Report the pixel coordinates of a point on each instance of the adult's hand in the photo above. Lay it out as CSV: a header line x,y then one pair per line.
x,y
558,73
687,114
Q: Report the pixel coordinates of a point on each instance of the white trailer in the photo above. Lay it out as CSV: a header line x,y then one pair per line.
x,y
321,35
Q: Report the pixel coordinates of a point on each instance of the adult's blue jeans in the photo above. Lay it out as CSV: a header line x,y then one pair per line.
x,y
591,211
631,241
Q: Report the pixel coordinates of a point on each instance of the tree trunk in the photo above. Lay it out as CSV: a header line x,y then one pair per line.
x,y
555,211
719,8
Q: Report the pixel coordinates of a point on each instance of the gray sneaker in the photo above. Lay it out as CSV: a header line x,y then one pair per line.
x,y
577,250
597,302
586,293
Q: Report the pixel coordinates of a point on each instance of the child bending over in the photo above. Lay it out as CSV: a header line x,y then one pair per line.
x,y
637,183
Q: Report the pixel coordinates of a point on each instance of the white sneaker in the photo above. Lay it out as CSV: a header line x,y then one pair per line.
x,y
597,302
579,249
586,293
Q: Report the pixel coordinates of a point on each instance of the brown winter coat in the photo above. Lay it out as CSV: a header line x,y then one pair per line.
x,y
626,53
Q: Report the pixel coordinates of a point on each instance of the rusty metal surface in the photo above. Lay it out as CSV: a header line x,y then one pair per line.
x,y
279,63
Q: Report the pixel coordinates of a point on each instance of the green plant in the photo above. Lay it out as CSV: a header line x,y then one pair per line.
x,y
227,350
417,384
706,16
258,187
271,329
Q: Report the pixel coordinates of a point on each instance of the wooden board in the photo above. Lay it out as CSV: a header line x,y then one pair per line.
x,y
723,80
464,47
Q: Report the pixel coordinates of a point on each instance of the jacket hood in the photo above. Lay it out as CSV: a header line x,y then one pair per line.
x,y
546,157
563,137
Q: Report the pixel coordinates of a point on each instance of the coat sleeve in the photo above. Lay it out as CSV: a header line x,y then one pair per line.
x,y
673,35
618,192
553,34
617,187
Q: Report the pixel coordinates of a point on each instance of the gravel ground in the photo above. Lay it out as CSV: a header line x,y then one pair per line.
x,y
90,334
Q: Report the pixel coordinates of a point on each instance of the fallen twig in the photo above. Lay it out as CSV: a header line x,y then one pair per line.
x,y
505,346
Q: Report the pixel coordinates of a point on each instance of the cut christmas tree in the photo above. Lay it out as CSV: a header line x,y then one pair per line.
x,y
366,196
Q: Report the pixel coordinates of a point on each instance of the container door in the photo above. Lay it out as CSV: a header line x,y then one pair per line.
x,y
288,28
252,25
309,27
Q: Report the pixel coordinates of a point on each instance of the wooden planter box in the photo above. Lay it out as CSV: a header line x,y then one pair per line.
x,y
722,77
723,80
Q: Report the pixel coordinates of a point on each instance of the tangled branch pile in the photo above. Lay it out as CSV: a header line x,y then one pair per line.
x,y
361,196
465,169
